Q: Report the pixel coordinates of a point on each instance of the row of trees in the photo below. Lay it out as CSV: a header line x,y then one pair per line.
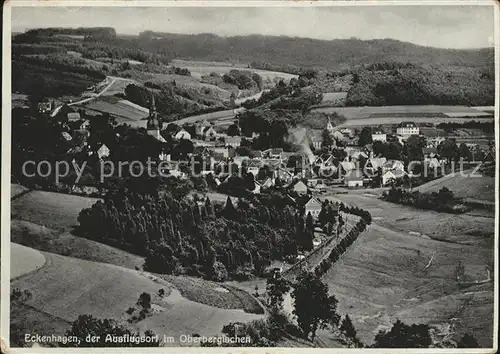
x,y
443,200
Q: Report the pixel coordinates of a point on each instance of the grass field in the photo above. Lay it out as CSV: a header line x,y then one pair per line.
x,y
67,287
199,69
381,278
464,186
17,190
48,240
391,111
53,210
214,294
24,260
120,109
462,228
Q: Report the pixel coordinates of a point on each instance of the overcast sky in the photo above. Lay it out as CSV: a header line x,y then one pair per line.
x,y
438,26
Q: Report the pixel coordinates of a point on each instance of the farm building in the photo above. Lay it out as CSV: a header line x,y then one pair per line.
x,y
354,179
103,151
392,165
392,175
234,141
44,106
73,117
379,136
182,134
300,187
313,206
407,128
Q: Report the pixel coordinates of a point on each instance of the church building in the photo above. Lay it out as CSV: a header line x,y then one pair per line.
x,y
154,124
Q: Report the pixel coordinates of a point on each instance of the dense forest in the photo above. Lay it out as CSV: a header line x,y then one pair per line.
x,y
181,236
305,52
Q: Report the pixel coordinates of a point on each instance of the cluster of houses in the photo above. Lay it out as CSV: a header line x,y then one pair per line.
x,y
271,168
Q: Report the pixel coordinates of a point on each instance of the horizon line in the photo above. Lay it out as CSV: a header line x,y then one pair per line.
x,y
136,34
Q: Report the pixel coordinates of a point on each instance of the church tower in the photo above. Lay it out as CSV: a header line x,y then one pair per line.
x,y
329,126
154,124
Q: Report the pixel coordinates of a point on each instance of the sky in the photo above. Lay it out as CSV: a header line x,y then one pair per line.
x,y
436,26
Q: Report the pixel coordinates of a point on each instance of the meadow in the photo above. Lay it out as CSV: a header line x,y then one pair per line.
x,y
53,210
461,228
202,68
383,277
482,188
121,109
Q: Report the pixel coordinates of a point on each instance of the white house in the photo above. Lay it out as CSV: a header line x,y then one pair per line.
x,y
73,116
209,133
103,151
313,206
392,175
379,136
182,134
407,128
354,179
300,187
234,141
390,165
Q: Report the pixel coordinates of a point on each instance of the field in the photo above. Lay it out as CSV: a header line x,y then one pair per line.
x,y
482,188
120,108
462,228
24,260
337,97
382,277
48,240
67,287
54,210
200,68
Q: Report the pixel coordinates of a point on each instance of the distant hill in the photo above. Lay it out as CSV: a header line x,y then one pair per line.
x,y
306,52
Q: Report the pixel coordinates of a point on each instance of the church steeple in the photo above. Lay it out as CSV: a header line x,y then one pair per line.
x,y
329,126
153,121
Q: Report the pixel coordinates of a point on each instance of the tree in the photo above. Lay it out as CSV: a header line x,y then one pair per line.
x,y
347,327
449,150
465,152
144,300
276,288
313,307
365,136
468,341
233,130
327,139
404,336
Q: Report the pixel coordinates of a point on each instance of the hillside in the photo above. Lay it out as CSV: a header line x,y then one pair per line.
x,y
307,52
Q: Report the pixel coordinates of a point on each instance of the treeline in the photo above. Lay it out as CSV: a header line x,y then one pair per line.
x,y
179,236
487,127
413,85
88,32
35,78
442,201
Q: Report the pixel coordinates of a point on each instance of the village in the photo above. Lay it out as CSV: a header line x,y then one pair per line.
x,y
340,159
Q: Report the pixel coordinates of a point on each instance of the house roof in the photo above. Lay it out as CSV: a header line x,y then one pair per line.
x,y
407,125
313,202
300,184
348,165
391,163
377,162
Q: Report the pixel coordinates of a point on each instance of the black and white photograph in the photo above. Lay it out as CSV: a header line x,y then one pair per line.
x,y
269,175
